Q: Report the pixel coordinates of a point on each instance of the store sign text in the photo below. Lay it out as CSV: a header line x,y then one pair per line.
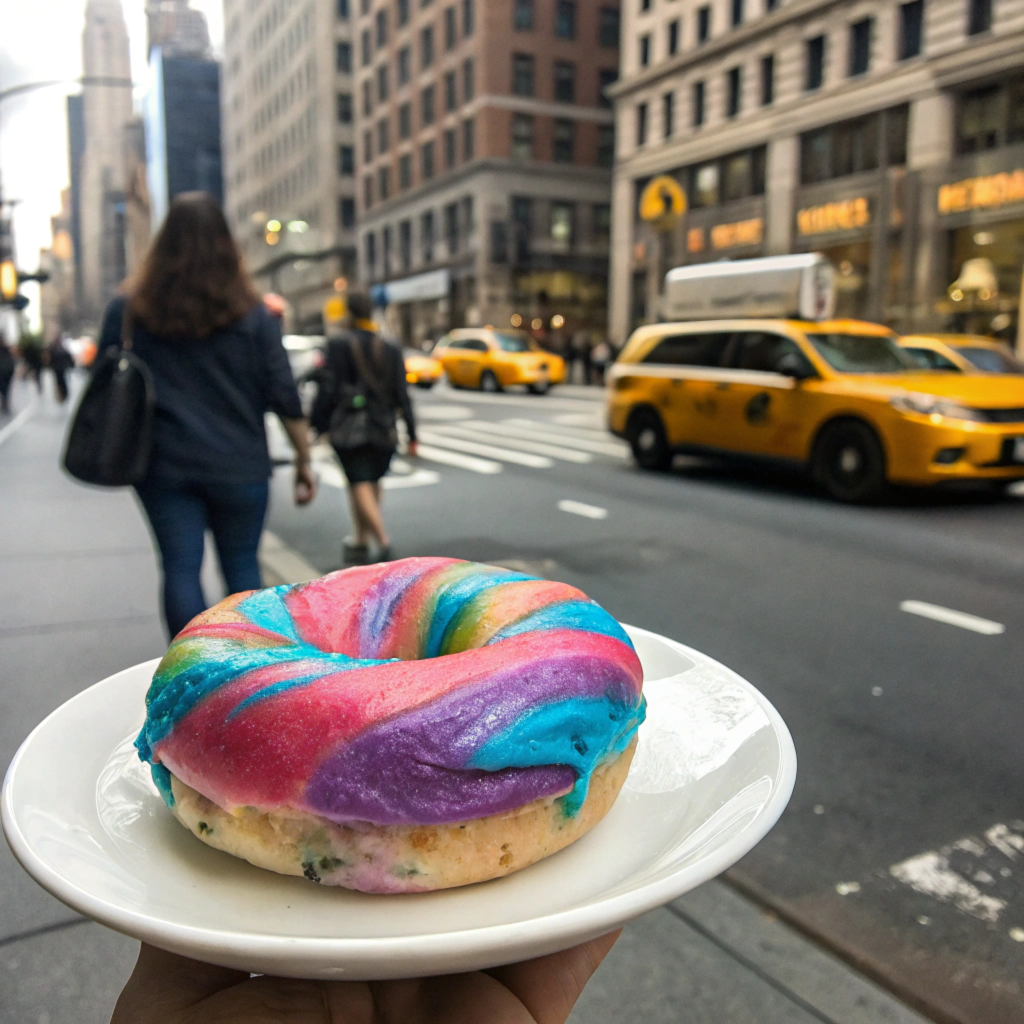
x,y
979,193
845,215
727,236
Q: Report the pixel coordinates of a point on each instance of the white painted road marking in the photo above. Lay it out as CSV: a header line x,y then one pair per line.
x,y
489,451
590,441
500,435
443,412
17,423
952,617
581,508
486,466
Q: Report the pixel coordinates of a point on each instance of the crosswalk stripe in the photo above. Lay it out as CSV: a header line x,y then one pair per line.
x,y
562,429
539,447
487,450
446,458
581,508
519,428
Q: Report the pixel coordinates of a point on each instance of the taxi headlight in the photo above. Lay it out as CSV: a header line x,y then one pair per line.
x,y
931,405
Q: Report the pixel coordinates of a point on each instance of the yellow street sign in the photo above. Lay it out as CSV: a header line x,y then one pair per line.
x,y
662,201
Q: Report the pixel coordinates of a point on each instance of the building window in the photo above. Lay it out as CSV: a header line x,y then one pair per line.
x,y
403,67
673,37
522,137
427,107
451,32
522,74
562,139
522,16
405,244
979,120
563,216
449,148
366,47
367,98
737,13
364,6
565,19
343,58
402,14
370,248
645,50
404,172
602,220
698,104
427,160
911,29
468,140
814,71
979,17
468,17
427,236
605,145
860,45
341,10
346,161
405,121
347,212
854,146
605,77
499,242
381,24
608,27
668,114
368,191
768,80
344,107
565,81
426,46
703,24
388,247
645,6
383,135
451,228
467,80
641,124
383,89
384,183
367,146
733,89
771,5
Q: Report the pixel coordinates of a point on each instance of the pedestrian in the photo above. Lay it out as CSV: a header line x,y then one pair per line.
x,y
60,362
6,375
600,358
218,365
364,386
33,356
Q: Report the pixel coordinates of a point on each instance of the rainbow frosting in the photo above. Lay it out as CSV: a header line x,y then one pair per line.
x,y
422,691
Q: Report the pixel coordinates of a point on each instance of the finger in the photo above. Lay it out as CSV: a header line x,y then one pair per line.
x,y
268,1000
549,986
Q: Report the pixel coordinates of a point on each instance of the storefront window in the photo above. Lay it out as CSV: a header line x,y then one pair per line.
x,y
705,185
561,223
982,256
737,176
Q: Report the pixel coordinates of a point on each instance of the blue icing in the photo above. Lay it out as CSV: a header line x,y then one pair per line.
x,y
577,732
162,780
582,615
266,609
452,598
273,690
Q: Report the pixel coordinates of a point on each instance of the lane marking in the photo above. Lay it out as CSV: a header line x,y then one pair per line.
x,y
18,422
330,474
581,508
474,429
952,617
433,437
428,411
589,433
447,458
594,421
616,449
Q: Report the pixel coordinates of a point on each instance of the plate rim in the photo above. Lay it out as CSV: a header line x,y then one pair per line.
x,y
591,918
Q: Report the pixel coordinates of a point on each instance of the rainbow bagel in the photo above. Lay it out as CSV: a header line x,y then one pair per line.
x,y
396,727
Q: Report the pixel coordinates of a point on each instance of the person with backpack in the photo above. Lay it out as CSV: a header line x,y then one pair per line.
x,y
362,387
218,365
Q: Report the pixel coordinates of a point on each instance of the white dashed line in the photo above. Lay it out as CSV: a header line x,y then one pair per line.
x,y
498,435
489,451
581,508
446,458
952,617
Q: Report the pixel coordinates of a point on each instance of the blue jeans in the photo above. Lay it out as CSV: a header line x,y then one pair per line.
x,y
180,513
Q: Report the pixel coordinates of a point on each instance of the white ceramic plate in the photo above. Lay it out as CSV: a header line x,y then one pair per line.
x,y
713,771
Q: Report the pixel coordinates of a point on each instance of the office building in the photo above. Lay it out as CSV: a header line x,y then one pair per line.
x,y
483,151
176,28
288,138
888,135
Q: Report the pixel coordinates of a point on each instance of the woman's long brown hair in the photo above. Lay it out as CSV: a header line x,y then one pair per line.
x,y
192,281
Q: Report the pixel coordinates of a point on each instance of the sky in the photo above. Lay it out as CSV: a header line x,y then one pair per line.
x,y
41,40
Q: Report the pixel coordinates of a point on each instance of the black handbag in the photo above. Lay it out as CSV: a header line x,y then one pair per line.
x,y
112,430
364,414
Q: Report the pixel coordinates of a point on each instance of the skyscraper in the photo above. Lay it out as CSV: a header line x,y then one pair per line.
x,y
176,28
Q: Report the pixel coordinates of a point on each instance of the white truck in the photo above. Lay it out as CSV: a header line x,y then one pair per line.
x,y
798,287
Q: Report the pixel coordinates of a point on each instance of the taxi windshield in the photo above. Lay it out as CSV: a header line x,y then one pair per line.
x,y
990,360
861,353
512,342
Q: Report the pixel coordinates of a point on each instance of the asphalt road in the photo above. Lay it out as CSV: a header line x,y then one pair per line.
x,y
903,846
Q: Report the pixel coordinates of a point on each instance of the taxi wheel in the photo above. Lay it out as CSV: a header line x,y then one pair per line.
x,y
647,439
488,382
540,388
849,462
425,384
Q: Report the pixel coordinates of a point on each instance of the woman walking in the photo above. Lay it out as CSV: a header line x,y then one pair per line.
x,y
363,387
219,366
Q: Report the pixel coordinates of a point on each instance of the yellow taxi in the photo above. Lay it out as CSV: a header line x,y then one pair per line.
x,y
421,369
484,358
960,353
839,397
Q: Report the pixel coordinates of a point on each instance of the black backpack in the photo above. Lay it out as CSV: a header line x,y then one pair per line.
x,y
112,430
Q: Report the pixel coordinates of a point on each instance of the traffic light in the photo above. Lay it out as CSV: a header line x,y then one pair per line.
x,y
8,281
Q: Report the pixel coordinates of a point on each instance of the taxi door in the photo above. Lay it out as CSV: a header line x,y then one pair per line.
x,y
465,362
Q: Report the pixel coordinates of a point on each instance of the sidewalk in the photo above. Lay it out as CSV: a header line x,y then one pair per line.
x,y
78,601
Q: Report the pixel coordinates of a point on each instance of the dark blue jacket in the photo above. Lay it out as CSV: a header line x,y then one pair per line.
x,y
211,396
